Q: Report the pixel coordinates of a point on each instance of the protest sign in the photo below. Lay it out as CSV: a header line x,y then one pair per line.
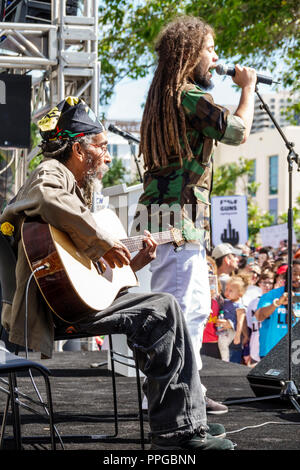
x,y
229,220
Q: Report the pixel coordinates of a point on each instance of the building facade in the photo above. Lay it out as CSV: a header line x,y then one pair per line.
x,y
277,103
119,147
270,169
264,146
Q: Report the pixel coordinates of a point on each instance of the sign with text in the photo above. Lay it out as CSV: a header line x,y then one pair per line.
x,y
15,97
272,236
229,220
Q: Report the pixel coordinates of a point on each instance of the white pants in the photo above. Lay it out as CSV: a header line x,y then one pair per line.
x,y
224,340
185,275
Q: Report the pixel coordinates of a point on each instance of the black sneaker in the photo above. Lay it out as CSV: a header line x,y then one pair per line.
x,y
215,408
200,440
216,430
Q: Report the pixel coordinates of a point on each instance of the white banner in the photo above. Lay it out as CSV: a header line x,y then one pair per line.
x,y
273,235
229,220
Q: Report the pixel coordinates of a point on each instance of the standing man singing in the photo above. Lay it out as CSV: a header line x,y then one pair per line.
x,y
179,126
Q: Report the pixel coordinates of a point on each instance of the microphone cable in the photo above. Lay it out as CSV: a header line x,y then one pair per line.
x,y
44,266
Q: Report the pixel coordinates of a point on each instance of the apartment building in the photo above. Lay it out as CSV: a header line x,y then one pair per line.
x,y
265,147
277,103
119,147
269,154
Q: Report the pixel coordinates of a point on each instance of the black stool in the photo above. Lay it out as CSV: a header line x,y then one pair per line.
x,y
11,365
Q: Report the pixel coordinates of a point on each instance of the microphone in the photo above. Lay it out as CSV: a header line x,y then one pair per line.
x,y
126,135
225,70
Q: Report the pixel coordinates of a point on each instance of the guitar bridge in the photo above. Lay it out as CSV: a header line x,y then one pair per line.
x,y
100,266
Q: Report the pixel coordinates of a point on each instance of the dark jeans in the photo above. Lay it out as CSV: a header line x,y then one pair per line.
x,y
155,327
235,353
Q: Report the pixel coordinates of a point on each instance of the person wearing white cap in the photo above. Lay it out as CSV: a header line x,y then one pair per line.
x,y
226,257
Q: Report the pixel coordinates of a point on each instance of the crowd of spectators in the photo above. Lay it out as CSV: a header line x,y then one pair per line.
x,y
240,279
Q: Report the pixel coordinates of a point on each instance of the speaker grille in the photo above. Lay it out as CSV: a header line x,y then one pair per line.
x,y
266,376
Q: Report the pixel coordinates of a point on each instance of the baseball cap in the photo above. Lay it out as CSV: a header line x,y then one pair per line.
x,y
225,249
282,269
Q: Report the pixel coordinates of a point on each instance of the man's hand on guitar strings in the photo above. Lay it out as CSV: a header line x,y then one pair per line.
x,y
146,254
118,255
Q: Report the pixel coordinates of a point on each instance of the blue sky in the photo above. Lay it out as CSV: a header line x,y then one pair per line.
x,y
131,94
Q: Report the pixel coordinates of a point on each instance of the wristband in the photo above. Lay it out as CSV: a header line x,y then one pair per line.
x,y
275,303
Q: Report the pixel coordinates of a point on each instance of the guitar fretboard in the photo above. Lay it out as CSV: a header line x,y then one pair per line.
x,y
136,243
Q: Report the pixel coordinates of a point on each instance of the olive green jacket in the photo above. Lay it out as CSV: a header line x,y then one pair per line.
x,y
177,194
50,192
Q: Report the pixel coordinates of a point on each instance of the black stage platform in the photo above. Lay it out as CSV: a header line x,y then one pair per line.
x,y
80,389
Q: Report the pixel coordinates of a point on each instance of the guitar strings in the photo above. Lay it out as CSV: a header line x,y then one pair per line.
x,y
136,242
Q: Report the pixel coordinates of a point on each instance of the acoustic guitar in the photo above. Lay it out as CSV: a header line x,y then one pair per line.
x,y
72,285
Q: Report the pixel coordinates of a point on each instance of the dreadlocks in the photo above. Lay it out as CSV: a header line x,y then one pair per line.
x,y
163,124
61,149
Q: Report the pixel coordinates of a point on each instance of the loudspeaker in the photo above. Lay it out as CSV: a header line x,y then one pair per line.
x,y
265,377
32,11
15,113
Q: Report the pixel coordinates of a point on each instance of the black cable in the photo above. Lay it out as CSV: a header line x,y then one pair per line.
x,y
26,348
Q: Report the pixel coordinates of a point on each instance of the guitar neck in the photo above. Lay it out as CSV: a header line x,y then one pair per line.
x,y
136,243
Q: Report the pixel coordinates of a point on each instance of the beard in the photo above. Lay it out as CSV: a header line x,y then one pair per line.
x,y
202,79
92,179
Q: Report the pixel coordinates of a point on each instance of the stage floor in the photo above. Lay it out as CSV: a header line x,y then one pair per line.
x,y
80,389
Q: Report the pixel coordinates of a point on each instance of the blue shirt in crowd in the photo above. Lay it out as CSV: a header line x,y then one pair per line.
x,y
275,327
229,309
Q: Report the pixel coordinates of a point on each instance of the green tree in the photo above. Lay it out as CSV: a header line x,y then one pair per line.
x,y
35,140
283,218
226,176
261,33
257,219
116,174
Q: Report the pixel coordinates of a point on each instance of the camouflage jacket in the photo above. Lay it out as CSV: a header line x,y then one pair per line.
x,y
179,195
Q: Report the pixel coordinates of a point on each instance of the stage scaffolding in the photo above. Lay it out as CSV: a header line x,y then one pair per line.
x,y
62,58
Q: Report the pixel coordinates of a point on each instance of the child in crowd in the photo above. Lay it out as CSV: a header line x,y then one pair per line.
x,y
265,283
252,272
210,337
233,331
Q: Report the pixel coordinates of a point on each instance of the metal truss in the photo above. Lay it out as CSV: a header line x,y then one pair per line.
x,y
62,58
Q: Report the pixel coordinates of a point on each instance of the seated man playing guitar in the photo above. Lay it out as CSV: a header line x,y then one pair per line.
x,y
57,192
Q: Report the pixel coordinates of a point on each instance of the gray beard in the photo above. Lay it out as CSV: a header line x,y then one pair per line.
x,y
92,183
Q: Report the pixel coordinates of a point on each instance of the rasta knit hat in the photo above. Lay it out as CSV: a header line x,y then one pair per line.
x,y
71,118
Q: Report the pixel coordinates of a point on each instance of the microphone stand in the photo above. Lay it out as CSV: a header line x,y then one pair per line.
x,y
289,389
132,149
131,141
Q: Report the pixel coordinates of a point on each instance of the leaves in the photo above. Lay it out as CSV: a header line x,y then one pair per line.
x,y
126,35
283,218
260,33
226,176
116,174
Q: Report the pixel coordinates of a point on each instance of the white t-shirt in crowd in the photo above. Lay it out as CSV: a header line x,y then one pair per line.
x,y
254,326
